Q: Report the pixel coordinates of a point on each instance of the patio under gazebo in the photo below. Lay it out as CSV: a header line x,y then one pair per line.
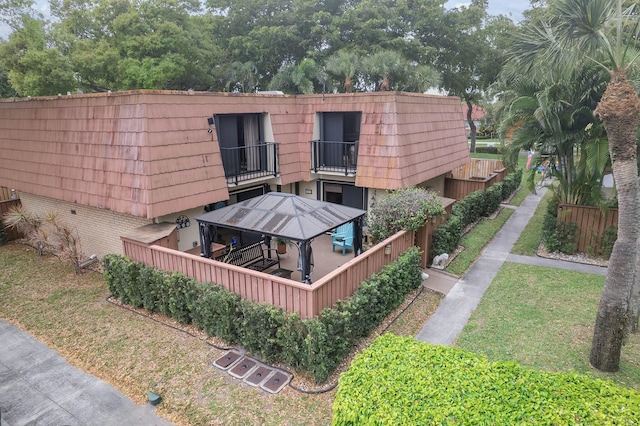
x,y
283,216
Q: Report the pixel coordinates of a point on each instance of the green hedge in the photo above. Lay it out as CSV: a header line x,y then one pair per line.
x,y
400,381
486,149
316,346
478,204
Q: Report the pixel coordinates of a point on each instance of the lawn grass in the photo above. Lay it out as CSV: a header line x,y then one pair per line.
x,y
528,242
475,240
136,355
543,318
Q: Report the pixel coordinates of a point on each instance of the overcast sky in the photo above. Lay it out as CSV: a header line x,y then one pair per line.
x,y
510,8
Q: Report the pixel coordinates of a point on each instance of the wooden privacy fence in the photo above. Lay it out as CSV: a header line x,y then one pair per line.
x,y
5,206
477,175
308,300
7,194
591,223
460,188
479,168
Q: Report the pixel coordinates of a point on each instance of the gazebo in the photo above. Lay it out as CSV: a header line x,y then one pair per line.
x,y
281,215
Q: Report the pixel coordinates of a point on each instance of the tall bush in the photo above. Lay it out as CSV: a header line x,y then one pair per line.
x,y
407,208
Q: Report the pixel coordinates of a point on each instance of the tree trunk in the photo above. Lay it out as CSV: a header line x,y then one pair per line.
x,y
634,303
619,110
348,85
472,126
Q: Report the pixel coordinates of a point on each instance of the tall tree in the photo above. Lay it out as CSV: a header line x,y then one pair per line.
x,y
594,28
36,66
467,51
119,45
553,113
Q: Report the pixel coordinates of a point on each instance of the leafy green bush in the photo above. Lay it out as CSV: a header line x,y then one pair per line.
x,y
400,381
316,345
487,149
510,183
470,208
407,208
493,198
609,238
557,235
446,237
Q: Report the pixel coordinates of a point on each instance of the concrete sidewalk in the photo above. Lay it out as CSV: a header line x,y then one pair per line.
x,y
39,387
462,299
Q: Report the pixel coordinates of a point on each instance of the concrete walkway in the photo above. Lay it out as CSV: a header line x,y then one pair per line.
x,y
462,299
39,387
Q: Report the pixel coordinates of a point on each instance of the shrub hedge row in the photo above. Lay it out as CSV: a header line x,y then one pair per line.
x,y
478,204
316,346
486,149
433,384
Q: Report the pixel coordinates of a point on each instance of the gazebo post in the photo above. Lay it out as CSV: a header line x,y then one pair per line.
x,y
357,238
304,256
205,240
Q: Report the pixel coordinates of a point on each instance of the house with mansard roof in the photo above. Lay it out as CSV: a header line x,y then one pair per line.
x,y
110,163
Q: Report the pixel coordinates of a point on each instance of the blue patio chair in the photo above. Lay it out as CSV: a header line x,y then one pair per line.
x,y
342,237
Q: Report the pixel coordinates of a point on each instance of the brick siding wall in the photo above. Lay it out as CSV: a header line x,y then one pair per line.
x,y
99,230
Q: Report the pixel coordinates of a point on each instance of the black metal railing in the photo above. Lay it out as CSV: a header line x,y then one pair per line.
x,y
333,156
250,162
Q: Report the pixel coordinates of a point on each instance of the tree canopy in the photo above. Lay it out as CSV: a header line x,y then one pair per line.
x,y
299,46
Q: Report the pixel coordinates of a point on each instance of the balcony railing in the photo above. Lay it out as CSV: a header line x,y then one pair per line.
x,y
333,156
250,162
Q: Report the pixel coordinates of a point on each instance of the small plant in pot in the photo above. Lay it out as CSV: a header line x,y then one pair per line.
x,y
281,245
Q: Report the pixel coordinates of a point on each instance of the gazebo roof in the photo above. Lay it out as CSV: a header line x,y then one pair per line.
x,y
282,215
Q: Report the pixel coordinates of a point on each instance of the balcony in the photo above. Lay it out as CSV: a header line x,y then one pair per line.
x,y
250,162
333,156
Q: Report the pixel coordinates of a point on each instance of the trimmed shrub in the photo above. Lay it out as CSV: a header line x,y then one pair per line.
x,y
470,208
120,274
609,238
434,384
446,237
558,236
407,208
493,198
486,149
316,345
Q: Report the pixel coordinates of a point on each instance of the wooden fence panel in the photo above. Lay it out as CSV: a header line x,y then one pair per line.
x,y
591,223
478,168
308,300
6,194
460,188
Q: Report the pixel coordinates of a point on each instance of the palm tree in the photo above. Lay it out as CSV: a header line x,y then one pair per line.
x,y
242,77
381,65
344,65
302,78
554,114
593,28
